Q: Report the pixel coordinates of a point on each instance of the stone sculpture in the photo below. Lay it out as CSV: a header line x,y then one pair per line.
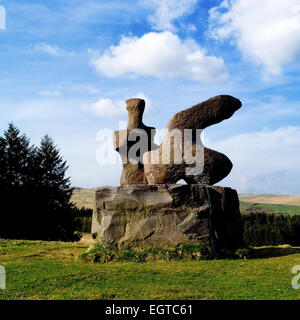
x,y
156,215
133,168
150,208
148,167
212,165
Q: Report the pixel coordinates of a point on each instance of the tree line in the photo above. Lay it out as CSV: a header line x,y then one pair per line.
x,y
35,193
262,229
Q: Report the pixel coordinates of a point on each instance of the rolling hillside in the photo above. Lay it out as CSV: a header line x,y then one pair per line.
x,y
271,208
270,199
271,203
83,197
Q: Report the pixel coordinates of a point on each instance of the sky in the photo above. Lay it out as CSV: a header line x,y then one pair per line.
x,y
67,67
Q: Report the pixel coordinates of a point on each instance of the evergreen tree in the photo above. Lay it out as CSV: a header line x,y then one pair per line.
x,y
35,194
3,189
52,171
269,229
2,166
16,154
55,192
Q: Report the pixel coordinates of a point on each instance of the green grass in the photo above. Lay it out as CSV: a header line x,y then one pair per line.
x,y
185,252
275,208
50,270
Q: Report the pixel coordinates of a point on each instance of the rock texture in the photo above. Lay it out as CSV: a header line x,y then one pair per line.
x,y
133,168
205,114
159,215
210,166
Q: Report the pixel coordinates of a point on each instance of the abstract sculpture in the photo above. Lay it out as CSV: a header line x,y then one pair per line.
x,y
149,208
149,167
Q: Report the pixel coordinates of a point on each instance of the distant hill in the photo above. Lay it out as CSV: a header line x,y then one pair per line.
x,y
270,199
247,207
270,202
84,197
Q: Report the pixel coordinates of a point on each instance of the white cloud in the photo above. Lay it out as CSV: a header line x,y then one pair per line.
x,y
258,155
160,55
105,107
267,32
167,11
49,49
278,182
50,93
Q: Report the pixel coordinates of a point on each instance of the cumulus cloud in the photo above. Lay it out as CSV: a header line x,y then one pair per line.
x,y
262,156
267,32
165,12
105,107
160,55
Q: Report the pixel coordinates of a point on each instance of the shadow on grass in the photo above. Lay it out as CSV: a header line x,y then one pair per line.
x,y
272,252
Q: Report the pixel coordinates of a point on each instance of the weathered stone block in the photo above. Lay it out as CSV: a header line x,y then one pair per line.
x,y
160,215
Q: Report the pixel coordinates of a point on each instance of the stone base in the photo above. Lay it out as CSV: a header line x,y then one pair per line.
x,y
161,215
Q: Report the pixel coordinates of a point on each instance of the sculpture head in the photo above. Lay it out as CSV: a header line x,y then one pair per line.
x,y
226,105
135,108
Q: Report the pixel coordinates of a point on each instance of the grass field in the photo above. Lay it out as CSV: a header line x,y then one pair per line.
x,y
271,199
49,270
276,208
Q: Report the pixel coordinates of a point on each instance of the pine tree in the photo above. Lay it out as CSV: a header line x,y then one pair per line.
x,y
52,171
3,189
54,191
16,154
2,166
35,194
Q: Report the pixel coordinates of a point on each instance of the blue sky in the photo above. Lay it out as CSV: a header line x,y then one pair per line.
x,y
66,67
